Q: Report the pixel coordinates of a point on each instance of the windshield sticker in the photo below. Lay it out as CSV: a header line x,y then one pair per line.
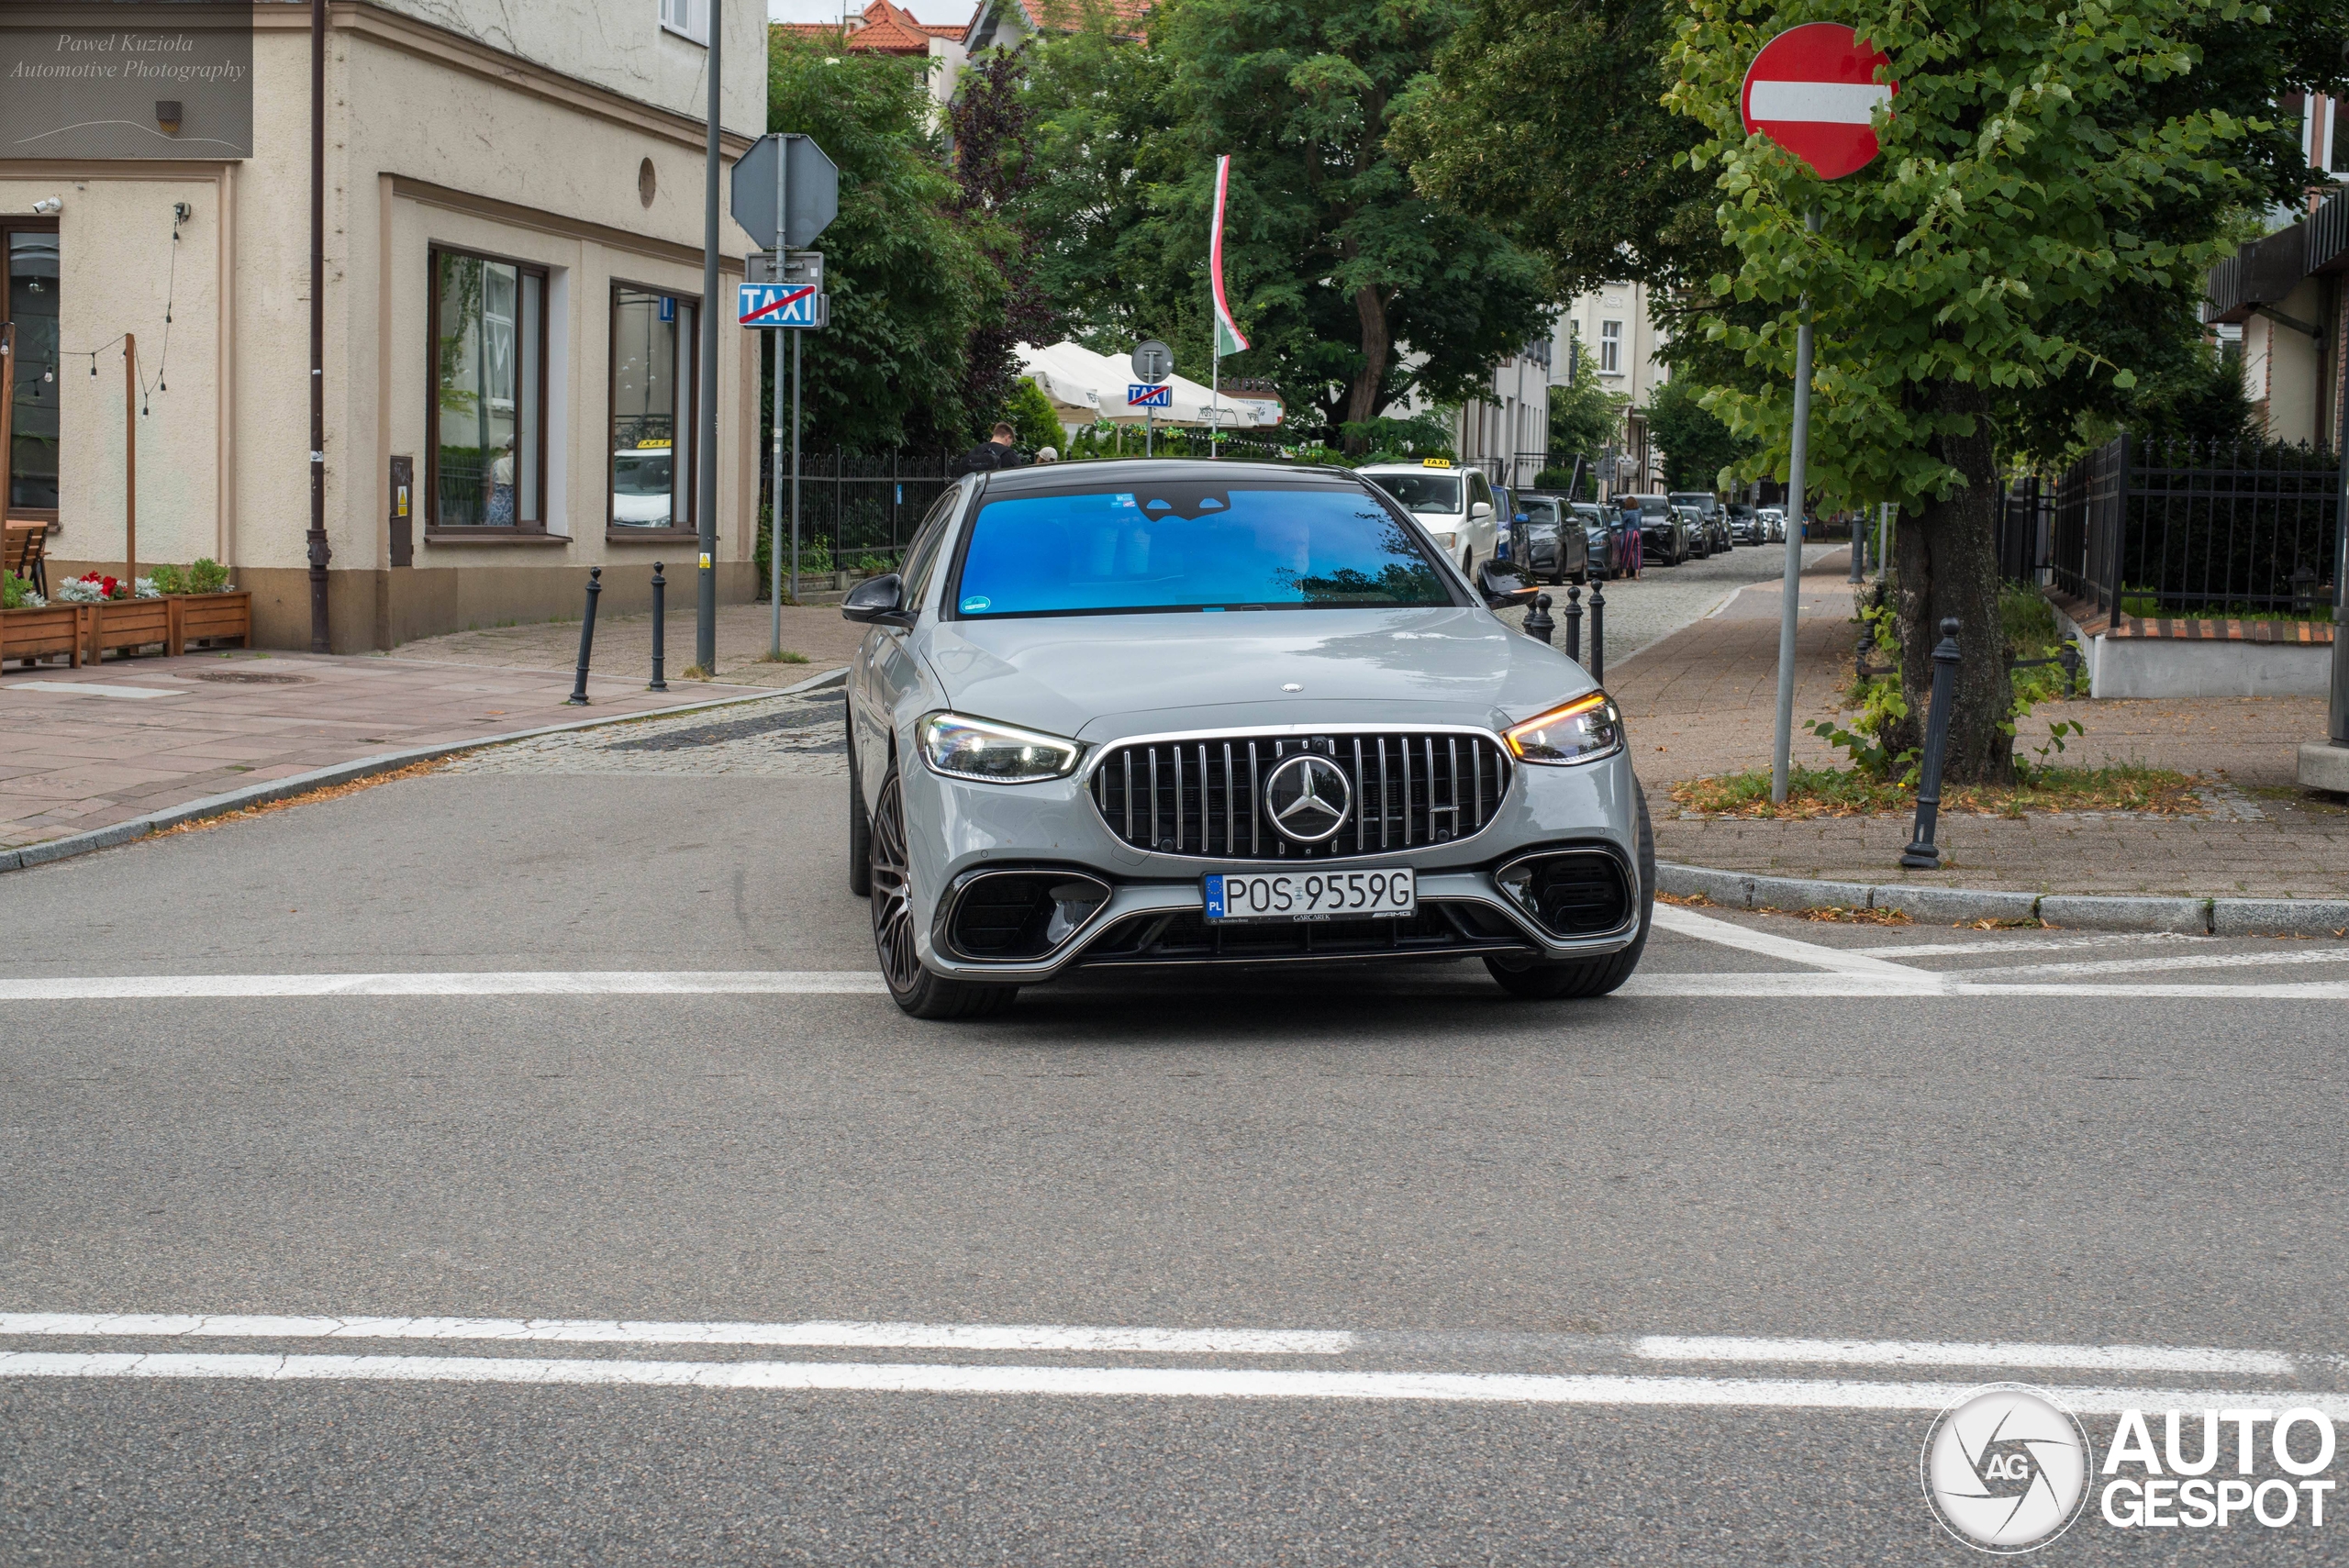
x,y
977,604
1126,499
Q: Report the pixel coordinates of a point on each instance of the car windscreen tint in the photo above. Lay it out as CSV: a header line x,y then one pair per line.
x,y
1191,547
1540,509
1421,492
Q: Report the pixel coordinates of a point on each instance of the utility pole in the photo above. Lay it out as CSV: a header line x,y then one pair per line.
x,y
1791,604
705,409
319,554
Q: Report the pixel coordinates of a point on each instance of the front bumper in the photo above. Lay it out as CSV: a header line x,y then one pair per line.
x,y
961,833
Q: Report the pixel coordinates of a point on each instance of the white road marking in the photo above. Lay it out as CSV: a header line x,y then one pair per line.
x,y
89,689
523,982
1821,103
1143,1383
852,1336
1843,961
1933,1352
2167,961
1877,979
2005,942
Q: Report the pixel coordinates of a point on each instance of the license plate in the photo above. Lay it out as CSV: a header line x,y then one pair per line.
x,y
1311,894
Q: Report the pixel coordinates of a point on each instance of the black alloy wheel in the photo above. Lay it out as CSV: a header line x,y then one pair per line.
x,y
912,987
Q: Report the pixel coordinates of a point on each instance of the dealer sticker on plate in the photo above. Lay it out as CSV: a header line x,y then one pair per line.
x,y
1311,894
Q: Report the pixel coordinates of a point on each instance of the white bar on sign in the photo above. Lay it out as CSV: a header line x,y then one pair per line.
x,y
1821,103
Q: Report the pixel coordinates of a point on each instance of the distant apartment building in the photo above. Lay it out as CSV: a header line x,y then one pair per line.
x,y
1505,431
1607,334
886,28
513,292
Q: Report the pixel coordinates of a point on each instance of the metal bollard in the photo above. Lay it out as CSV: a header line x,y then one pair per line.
x,y
578,697
1921,853
2070,660
1597,665
659,631
1573,624
1538,624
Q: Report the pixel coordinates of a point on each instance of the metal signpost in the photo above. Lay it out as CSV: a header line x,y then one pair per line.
x,y
1813,91
785,186
1153,363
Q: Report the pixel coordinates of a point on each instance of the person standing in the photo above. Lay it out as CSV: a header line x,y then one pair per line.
x,y
997,452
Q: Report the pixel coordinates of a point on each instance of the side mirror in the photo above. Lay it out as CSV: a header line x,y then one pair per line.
x,y
1480,510
1501,586
877,601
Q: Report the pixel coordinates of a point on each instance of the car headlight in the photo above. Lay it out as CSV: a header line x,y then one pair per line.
x,y
992,754
1583,730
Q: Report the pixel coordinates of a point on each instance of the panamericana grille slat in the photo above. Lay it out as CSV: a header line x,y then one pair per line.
x,y
1409,790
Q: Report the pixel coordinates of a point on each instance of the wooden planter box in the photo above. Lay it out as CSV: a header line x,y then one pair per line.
x,y
43,633
86,633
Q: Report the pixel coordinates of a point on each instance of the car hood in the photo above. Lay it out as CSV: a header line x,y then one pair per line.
x,y
1100,678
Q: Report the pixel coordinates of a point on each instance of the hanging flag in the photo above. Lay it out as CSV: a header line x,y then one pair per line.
x,y
1229,339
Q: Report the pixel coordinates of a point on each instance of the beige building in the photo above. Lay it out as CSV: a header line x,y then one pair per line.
x,y
513,279
1506,432
1607,333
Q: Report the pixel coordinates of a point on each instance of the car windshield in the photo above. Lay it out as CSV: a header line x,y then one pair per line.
x,y
640,473
1539,510
1191,545
1421,492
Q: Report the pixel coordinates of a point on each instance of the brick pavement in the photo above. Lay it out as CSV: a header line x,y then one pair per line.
x,y
624,643
85,748
1702,701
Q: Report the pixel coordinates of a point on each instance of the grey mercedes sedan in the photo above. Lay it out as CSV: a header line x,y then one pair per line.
x,y
1196,714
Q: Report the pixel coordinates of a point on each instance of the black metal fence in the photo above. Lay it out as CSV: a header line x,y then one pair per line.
x,y
2193,530
858,505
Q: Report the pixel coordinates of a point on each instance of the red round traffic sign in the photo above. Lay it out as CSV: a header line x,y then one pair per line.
x,y
1811,90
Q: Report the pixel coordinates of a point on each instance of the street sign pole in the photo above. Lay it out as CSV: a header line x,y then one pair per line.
x,y
795,463
706,410
1797,459
774,468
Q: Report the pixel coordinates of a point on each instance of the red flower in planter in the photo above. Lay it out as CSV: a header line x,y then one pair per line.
x,y
109,587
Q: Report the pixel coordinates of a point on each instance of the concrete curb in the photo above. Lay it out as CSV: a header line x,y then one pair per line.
x,y
274,790
2084,912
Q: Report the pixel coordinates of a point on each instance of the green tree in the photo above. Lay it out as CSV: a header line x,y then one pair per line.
x,y
1585,418
1697,446
1546,119
2032,152
1030,412
1357,291
912,273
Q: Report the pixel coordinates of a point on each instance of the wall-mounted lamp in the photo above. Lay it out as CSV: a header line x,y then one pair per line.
x,y
167,116
49,206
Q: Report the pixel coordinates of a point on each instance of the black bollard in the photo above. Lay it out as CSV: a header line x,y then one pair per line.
x,y
578,697
1921,853
660,629
2070,658
1538,624
1597,665
1573,624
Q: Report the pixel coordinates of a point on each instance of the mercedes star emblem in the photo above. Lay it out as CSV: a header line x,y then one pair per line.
x,y
1308,798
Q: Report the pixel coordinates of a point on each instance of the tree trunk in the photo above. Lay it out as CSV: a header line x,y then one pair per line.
x,y
1363,400
1946,564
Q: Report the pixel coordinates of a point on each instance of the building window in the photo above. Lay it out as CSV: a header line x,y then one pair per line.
x,y
686,18
1610,348
654,346
34,278
487,451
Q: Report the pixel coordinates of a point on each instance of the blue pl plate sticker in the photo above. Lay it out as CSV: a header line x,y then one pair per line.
x,y
1214,898
977,604
1124,498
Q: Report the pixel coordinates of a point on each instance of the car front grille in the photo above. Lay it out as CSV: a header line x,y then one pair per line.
x,y
1204,795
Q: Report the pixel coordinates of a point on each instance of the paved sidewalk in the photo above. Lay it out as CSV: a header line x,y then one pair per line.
x,y
1702,701
624,643
93,747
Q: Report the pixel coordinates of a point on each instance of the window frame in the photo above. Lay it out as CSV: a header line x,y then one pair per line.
x,y
522,527
695,28
691,479
9,509
1610,348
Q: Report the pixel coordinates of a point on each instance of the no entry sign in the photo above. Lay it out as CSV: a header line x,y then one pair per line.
x,y
1811,90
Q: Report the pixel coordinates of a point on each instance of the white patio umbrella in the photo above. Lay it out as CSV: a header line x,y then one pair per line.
x,y
1071,366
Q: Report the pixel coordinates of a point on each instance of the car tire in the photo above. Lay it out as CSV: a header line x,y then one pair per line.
x,y
1468,563
1576,978
860,826
914,988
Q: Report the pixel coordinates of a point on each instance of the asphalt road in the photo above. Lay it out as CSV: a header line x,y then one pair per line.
x,y
1445,1186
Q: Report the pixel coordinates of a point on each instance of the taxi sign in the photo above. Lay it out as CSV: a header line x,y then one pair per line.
x,y
1435,462
780,305
1145,396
